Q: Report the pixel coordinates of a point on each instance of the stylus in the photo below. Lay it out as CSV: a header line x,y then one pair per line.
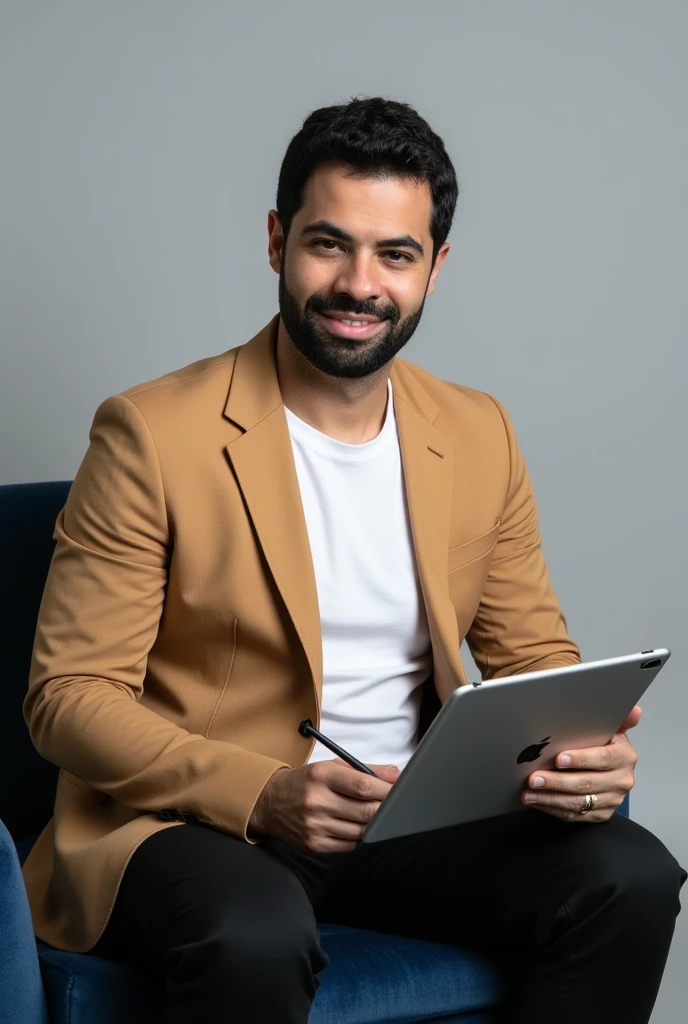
x,y
307,728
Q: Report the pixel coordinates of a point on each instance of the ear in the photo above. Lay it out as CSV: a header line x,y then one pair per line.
x,y
439,260
275,241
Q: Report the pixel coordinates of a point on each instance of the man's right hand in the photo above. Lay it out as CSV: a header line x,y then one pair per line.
x,y
321,807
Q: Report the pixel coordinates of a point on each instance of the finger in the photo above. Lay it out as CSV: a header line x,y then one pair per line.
x,y
570,806
566,783
614,754
632,719
348,809
389,772
342,818
330,835
327,813
348,781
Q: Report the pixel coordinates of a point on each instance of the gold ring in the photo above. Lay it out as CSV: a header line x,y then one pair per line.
x,y
590,801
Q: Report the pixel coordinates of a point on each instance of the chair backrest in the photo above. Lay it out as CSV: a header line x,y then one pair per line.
x,y
27,521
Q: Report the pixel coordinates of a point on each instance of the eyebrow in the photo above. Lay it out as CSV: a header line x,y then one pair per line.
x,y
326,227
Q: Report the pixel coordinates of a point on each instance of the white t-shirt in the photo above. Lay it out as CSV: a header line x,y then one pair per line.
x,y
376,643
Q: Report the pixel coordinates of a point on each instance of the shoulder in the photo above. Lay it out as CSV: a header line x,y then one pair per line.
x,y
179,411
459,408
195,383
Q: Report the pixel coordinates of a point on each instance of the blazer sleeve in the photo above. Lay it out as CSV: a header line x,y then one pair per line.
x,y
519,625
98,619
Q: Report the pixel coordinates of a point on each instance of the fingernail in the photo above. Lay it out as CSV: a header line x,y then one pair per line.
x,y
531,798
564,760
539,781
393,768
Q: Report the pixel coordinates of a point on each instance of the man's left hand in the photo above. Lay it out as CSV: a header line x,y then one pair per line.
x,y
606,771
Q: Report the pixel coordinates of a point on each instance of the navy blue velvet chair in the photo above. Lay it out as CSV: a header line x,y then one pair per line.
x,y
371,977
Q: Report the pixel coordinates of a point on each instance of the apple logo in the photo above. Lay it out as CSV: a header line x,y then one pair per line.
x,y
532,752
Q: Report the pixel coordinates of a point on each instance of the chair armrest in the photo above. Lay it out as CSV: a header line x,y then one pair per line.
x,y
22,1000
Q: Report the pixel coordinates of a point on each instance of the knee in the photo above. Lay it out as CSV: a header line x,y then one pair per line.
x,y
273,945
270,943
641,872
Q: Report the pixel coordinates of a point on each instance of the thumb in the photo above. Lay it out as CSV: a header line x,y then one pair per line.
x,y
388,772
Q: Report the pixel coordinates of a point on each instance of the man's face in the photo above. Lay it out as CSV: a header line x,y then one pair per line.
x,y
358,249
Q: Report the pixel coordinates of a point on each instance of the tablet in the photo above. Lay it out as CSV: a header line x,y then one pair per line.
x,y
487,738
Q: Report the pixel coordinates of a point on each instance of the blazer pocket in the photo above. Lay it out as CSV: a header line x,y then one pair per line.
x,y
463,554
227,673
469,565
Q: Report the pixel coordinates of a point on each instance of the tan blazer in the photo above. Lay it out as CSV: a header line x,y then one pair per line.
x,y
178,644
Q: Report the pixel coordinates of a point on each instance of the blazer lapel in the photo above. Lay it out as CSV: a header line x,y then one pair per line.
x,y
429,463
263,461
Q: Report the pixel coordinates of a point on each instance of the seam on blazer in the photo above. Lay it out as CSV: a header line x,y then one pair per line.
x,y
97,679
83,786
224,686
432,422
475,628
491,634
137,389
464,565
508,442
113,558
157,460
471,540
267,414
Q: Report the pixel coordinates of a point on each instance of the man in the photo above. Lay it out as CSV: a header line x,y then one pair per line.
x,y
307,527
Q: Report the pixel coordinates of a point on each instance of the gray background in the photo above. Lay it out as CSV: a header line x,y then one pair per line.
x,y
141,144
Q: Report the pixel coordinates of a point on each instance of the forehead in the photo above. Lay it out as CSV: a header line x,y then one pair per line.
x,y
378,207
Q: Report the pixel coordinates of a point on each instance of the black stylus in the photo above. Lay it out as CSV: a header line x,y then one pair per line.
x,y
308,729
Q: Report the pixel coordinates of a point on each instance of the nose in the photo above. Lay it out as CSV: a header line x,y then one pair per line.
x,y
357,277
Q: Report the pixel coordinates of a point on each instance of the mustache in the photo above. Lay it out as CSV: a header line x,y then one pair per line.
x,y
345,304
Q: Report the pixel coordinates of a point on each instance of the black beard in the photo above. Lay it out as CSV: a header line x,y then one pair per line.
x,y
344,357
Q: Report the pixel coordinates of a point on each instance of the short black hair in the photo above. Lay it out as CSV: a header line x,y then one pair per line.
x,y
372,136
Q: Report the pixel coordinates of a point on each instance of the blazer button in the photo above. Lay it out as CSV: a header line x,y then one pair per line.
x,y
169,814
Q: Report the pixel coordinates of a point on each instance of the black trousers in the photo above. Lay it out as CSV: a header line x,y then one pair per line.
x,y
579,915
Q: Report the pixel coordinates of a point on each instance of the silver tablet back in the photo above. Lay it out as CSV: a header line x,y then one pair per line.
x,y
486,740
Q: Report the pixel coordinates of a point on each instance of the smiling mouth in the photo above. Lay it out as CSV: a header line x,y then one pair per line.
x,y
351,326
352,319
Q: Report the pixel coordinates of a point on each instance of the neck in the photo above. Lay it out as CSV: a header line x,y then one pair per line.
x,y
347,409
